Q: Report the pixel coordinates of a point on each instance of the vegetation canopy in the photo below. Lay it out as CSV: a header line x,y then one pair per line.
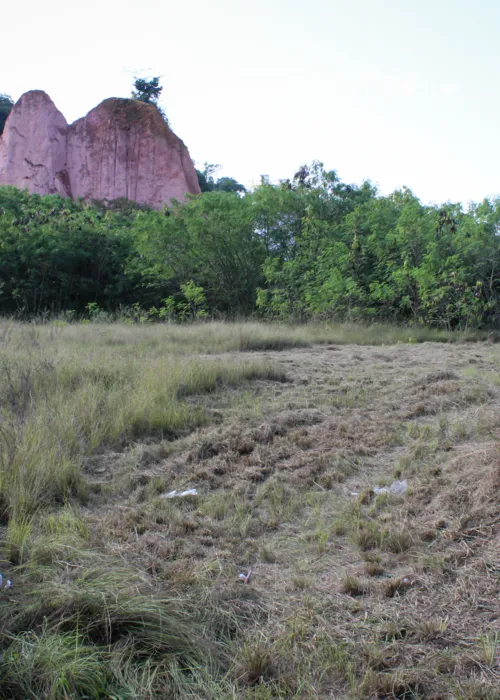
x,y
312,247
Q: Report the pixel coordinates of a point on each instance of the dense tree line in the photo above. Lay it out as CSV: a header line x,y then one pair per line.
x,y
311,247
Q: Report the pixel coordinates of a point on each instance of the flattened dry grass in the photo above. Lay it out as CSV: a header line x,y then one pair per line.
x,y
121,591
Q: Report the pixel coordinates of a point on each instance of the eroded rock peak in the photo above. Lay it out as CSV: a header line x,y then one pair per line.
x,y
121,148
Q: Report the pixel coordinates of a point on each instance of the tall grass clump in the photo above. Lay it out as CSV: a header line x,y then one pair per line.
x,y
62,399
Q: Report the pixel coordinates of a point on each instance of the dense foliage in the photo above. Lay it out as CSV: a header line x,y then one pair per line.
x,y
310,247
6,104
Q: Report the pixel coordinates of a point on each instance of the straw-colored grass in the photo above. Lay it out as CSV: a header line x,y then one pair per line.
x,y
121,591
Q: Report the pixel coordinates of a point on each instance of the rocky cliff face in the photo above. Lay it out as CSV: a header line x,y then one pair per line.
x,y
122,148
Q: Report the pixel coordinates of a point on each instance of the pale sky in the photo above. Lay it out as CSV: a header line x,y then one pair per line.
x,y
401,92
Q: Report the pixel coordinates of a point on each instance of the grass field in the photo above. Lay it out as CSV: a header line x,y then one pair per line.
x,y
122,592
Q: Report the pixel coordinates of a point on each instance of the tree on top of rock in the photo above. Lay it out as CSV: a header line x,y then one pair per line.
x,y
6,104
147,90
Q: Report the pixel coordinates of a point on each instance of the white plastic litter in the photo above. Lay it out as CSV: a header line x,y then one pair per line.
x,y
180,494
7,585
245,578
397,488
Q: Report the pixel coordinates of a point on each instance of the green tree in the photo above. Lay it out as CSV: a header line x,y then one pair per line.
x,y
147,90
206,178
208,183
229,184
6,104
211,240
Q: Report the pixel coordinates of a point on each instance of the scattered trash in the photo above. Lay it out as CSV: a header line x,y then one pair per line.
x,y
397,488
180,494
7,585
245,578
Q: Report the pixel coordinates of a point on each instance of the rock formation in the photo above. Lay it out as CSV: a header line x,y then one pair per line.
x,y
122,148
33,145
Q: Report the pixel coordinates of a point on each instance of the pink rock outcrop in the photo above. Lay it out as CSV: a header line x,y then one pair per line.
x,y
122,148
33,146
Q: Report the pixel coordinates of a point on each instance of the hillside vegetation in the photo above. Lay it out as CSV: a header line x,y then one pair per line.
x,y
312,247
122,589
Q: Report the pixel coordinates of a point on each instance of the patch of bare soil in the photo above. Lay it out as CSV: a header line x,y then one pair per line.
x,y
360,596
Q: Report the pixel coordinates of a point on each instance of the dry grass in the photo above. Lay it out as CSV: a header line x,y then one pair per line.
x,y
215,336
122,592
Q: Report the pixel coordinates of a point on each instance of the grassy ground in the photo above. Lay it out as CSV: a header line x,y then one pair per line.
x,y
120,592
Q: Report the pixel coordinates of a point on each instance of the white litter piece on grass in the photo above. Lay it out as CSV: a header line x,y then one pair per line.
x,y
7,585
245,578
180,494
397,488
